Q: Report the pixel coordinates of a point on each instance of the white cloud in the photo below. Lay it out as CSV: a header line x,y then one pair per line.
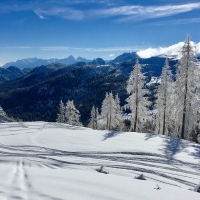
x,y
18,47
198,48
1,64
54,48
171,50
111,55
108,49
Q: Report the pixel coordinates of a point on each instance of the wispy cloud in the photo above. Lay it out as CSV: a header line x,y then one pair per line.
x,y
176,22
78,9
132,12
112,49
67,9
55,48
105,49
18,47
89,49
66,13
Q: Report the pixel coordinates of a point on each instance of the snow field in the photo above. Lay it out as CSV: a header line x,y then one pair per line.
x,y
54,161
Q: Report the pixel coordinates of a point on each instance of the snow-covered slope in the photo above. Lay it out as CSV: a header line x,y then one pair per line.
x,y
50,161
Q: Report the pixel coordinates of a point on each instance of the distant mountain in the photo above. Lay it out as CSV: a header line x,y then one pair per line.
x,y
125,57
98,61
35,62
11,73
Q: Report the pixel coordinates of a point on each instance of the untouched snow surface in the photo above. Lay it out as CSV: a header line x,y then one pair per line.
x,y
51,161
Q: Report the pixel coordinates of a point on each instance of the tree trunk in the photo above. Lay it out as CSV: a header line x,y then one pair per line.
x,y
165,104
185,97
136,104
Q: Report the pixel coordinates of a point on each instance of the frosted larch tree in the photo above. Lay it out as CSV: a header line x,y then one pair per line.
x,y
94,118
110,112
97,118
164,101
72,115
61,115
186,87
137,103
118,114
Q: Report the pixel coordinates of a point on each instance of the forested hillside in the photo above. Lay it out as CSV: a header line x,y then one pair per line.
x,y
36,96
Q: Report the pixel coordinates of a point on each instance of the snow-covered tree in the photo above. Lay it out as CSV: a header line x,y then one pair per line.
x,y
61,115
137,103
2,112
164,101
94,118
110,112
187,87
97,118
118,114
72,115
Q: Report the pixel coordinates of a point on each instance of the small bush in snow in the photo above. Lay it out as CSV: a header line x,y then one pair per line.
x,y
157,187
101,170
140,177
197,188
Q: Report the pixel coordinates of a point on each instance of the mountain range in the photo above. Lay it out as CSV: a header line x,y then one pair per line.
x,y
34,94
35,62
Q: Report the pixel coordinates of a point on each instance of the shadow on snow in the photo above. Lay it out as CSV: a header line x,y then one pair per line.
x,y
111,134
150,136
174,145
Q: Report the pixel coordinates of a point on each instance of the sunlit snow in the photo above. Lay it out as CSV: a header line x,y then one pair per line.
x,y
51,161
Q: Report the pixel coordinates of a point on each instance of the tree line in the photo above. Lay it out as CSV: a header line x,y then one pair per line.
x,y
177,108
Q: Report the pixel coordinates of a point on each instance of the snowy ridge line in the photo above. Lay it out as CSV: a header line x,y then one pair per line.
x,y
59,125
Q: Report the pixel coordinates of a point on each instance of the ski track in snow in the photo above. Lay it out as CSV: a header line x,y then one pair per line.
x,y
154,166
18,184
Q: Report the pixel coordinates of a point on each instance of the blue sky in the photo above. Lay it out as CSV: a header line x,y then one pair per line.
x,y
93,28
